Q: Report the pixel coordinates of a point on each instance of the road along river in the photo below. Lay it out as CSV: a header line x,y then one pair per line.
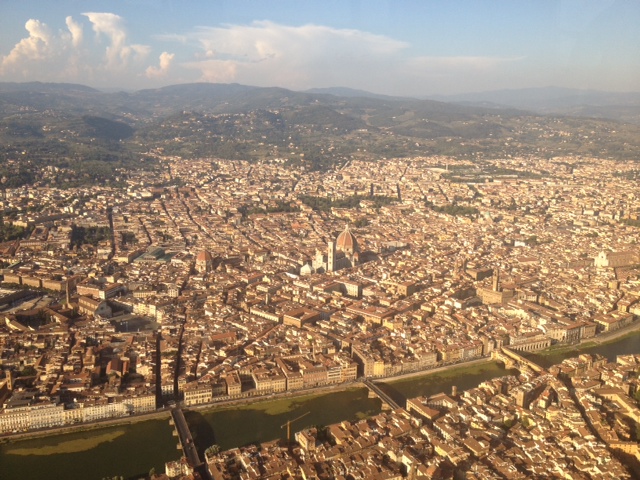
x,y
131,450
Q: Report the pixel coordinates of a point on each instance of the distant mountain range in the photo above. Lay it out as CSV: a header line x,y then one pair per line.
x,y
557,101
140,107
230,98
545,98
67,124
353,93
622,106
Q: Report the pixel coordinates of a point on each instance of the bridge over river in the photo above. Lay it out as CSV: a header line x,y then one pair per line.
x,y
507,356
512,359
387,401
186,443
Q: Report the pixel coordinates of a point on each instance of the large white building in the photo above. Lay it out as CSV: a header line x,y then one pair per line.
x,y
32,415
616,259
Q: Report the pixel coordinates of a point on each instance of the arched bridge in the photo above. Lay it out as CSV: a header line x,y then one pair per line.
x,y
511,359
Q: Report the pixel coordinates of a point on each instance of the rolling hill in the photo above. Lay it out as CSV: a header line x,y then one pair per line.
x,y
72,125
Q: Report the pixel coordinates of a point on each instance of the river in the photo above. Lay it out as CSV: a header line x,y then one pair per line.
x,y
132,450
621,346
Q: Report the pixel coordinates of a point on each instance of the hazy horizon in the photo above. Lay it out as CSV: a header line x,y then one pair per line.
x,y
400,48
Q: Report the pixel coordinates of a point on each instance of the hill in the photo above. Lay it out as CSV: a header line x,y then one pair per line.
x,y
622,106
92,134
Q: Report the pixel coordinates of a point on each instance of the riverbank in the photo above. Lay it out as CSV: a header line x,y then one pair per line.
x,y
86,427
165,413
433,371
126,451
615,335
602,339
259,401
339,387
96,452
252,401
623,343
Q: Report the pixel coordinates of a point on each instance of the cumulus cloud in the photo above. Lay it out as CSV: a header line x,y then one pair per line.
x,y
35,47
266,53
76,31
118,52
261,53
71,56
163,68
298,57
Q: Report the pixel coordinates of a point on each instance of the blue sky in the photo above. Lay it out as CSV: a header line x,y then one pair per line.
x,y
396,47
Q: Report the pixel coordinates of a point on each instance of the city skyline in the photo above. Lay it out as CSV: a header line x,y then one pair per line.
x,y
400,48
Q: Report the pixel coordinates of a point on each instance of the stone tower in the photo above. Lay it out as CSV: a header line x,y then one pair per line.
x,y
331,256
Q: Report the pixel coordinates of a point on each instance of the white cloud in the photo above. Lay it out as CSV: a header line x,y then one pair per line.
x,y
261,53
68,55
269,54
160,71
75,29
263,40
266,53
118,52
35,47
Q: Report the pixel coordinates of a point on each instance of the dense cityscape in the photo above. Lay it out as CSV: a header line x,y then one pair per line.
x,y
344,240
235,281
514,428
350,240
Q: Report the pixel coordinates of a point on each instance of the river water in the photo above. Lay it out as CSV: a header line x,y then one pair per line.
x,y
132,450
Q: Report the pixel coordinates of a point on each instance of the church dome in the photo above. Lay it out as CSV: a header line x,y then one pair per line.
x,y
204,257
347,242
204,262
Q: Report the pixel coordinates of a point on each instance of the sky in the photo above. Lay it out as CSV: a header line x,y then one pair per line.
x,y
393,47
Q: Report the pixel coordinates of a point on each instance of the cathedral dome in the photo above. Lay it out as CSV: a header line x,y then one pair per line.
x,y
204,262
347,242
203,257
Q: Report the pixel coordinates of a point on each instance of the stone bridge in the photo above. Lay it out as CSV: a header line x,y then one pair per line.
x,y
511,359
376,391
186,443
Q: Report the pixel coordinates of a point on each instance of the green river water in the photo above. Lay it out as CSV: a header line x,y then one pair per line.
x,y
132,450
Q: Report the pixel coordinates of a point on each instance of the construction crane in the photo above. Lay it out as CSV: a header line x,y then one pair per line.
x,y
288,425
